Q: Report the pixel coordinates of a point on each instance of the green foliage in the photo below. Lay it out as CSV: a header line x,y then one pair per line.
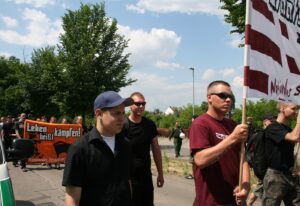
x,y
92,55
235,14
42,82
11,93
167,121
256,110
186,114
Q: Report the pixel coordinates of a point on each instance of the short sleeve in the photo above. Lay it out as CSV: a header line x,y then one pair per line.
x,y
199,137
276,132
153,129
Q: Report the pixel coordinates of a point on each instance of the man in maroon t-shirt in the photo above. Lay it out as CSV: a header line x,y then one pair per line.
x,y
215,145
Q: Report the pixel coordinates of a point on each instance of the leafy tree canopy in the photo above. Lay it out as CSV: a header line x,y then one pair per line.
x,y
92,54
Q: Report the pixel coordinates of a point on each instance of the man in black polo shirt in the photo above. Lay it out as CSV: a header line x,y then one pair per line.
x,y
280,182
98,164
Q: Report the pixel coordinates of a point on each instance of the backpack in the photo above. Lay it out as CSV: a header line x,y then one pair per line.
x,y
256,154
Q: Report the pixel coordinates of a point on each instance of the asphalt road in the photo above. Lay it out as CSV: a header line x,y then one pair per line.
x,y
41,186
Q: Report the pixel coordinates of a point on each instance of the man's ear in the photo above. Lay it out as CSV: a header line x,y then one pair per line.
x,y
209,98
98,112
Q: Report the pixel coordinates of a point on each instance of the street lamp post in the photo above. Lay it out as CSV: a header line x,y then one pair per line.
x,y
193,91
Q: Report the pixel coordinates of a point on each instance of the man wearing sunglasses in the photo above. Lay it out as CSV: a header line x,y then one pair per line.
x,y
141,132
215,144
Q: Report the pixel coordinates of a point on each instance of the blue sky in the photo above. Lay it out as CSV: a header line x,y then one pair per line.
x,y
167,37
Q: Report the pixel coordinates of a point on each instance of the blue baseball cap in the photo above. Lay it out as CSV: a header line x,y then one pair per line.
x,y
111,99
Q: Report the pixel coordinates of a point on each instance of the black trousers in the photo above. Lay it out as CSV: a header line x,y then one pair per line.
x,y
142,194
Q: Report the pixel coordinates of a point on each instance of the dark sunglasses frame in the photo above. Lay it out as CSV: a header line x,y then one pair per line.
x,y
223,95
139,103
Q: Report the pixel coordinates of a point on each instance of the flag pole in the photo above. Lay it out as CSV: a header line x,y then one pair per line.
x,y
296,157
246,84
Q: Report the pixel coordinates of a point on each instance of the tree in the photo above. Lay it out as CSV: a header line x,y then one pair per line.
x,y
92,54
256,110
236,14
43,82
11,93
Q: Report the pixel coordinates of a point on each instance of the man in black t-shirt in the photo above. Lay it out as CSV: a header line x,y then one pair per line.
x,y
280,182
141,133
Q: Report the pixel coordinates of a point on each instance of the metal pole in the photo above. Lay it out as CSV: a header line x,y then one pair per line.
x,y
193,91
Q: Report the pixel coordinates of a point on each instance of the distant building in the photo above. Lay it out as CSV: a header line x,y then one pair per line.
x,y
172,110
169,110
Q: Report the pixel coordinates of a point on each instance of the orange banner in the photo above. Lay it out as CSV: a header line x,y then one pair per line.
x,y
51,140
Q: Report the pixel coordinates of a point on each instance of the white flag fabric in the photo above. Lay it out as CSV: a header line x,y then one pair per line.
x,y
272,41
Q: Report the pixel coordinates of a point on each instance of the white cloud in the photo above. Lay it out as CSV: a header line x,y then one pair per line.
x,y
228,72
237,89
35,3
161,92
9,21
182,6
236,40
167,65
210,74
5,54
150,49
40,30
238,81
135,8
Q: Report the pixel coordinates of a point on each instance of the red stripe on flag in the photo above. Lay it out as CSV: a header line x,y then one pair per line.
x,y
292,65
265,45
247,34
262,7
283,28
256,80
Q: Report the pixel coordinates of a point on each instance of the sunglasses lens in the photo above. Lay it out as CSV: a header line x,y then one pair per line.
x,y
140,103
223,95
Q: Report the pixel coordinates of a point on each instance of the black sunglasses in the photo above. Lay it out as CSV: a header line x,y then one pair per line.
x,y
139,103
223,95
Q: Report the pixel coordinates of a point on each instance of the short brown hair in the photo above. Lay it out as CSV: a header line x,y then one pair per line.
x,y
137,94
217,82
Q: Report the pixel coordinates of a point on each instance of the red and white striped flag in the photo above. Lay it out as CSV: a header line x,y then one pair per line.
x,y
272,50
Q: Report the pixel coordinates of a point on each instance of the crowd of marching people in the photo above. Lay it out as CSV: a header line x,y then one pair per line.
x,y
111,164
13,128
